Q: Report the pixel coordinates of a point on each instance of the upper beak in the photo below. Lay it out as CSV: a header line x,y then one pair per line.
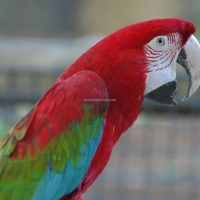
x,y
189,58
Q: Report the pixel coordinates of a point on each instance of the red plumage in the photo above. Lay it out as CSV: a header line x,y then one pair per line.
x,y
120,61
66,140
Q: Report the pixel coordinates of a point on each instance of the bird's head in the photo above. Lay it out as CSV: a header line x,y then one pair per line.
x,y
156,46
169,41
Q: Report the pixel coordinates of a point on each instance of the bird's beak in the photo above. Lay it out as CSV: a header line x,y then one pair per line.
x,y
189,58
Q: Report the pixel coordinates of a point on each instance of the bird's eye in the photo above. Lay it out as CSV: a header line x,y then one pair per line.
x,y
160,41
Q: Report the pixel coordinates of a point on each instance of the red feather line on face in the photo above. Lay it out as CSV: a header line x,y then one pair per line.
x,y
161,59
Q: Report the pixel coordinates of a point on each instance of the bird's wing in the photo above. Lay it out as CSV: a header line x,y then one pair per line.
x,y
47,153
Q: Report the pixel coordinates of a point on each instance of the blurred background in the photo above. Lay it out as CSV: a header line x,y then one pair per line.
x,y
159,157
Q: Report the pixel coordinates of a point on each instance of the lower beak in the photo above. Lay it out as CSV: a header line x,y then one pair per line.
x,y
165,94
189,59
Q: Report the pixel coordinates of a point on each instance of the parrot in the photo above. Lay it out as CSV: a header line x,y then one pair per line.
x,y
60,147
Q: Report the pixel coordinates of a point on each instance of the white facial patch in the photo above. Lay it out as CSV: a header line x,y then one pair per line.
x,y
161,53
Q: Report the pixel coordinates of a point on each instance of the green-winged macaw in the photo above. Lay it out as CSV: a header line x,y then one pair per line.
x,y
61,146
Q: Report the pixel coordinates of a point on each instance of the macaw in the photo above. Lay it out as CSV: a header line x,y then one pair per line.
x,y
61,146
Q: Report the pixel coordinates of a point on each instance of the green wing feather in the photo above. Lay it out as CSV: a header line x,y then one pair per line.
x,y
56,129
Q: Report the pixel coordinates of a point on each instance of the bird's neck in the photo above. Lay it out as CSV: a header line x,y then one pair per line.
x,y
125,101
